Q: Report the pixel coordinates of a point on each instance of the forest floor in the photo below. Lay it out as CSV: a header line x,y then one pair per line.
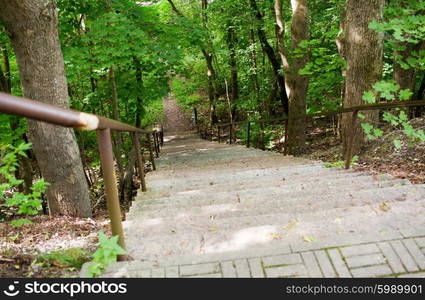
x,y
376,156
50,246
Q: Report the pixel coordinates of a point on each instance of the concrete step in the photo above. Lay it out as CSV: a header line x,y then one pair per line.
x,y
282,198
170,218
263,188
287,173
210,155
292,228
227,166
202,224
209,199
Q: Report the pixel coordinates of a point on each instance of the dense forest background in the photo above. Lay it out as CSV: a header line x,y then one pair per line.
x,y
228,60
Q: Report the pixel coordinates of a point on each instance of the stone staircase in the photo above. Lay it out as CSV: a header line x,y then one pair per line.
x,y
218,210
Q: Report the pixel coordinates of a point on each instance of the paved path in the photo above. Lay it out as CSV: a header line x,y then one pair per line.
x,y
218,210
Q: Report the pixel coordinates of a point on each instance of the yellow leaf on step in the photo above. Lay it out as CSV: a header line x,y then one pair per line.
x,y
384,206
309,239
291,224
213,228
275,236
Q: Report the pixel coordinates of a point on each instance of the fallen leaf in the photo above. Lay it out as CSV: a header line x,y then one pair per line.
x,y
309,239
213,228
275,236
384,206
291,224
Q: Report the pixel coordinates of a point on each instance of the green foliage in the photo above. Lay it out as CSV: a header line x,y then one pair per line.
x,y
67,258
24,204
106,254
20,222
391,91
185,92
371,132
341,163
369,97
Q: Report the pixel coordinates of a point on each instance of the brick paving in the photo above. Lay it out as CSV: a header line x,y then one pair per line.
x,y
401,258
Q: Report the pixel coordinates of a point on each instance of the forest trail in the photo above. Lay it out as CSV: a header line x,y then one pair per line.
x,y
175,119
219,210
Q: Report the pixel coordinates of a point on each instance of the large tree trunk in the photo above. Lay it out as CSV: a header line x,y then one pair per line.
x,y
296,84
33,29
363,49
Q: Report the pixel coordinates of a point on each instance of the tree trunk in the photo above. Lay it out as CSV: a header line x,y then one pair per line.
x,y
420,94
5,82
296,84
33,29
276,65
363,52
139,101
231,42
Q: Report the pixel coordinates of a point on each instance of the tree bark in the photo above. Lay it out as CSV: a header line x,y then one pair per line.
x,y
5,78
139,101
405,78
420,94
33,29
363,52
231,44
276,65
296,84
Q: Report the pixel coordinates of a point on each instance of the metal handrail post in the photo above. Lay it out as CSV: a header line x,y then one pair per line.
x,y
140,161
151,158
111,190
155,144
248,138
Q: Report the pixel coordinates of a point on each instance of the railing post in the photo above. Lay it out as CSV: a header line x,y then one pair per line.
x,y
212,132
219,133
155,144
162,136
349,150
285,144
139,160
157,141
151,158
111,190
230,134
248,138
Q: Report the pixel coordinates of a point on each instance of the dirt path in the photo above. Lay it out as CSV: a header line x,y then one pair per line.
x,y
175,119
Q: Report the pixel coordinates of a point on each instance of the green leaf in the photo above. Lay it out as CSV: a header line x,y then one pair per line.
x,y
20,222
367,127
377,132
369,97
398,144
405,94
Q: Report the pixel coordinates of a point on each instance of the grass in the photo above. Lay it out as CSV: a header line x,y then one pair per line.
x,y
69,258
